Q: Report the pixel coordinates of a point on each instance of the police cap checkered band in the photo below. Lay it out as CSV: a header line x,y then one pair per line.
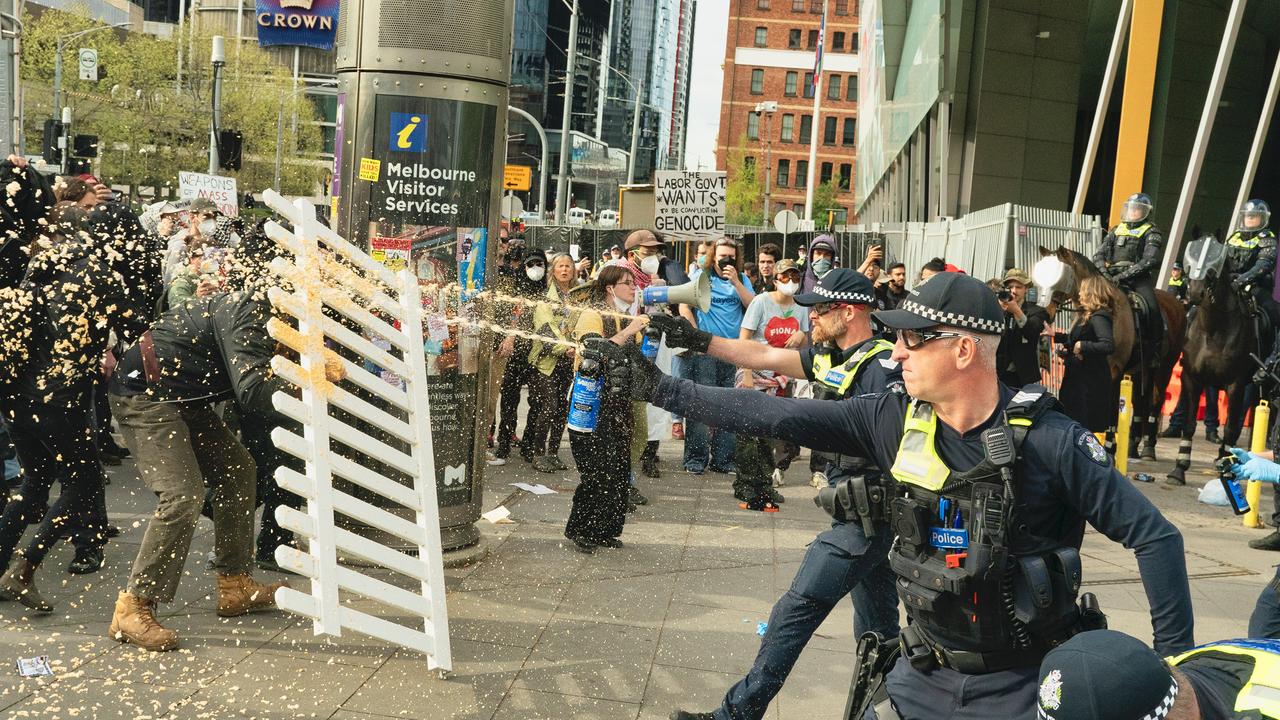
x,y
950,299
1104,675
840,285
953,319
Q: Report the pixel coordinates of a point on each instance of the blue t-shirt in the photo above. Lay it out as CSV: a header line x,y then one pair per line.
x,y
725,316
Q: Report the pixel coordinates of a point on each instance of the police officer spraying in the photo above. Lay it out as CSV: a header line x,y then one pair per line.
x,y
996,487
846,360
1251,257
1131,254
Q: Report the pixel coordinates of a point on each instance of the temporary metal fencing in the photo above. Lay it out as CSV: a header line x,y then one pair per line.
x,y
329,413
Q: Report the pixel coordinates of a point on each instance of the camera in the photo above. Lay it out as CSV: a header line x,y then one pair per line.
x,y
1004,295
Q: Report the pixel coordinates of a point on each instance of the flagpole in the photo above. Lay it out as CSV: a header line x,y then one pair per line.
x,y
817,106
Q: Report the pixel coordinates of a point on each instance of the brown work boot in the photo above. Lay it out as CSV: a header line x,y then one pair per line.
x,y
239,594
134,621
19,584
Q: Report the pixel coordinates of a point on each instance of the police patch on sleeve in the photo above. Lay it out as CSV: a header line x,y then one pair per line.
x,y
1089,445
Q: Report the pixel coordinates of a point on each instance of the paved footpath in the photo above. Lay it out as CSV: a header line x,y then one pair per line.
x,y
541,631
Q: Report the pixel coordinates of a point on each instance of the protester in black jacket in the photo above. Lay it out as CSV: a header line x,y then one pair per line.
x,y
89,275
208,349
1086,350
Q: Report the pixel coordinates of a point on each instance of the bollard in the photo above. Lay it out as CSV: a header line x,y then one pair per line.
x,y
1123,419
1258,444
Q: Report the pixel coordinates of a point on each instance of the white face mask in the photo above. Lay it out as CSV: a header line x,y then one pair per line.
x,y
649,265
619,305
787,288
206,227
535,273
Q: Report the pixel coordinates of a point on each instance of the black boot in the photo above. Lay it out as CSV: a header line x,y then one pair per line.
x,y
1270,542
686,715
1213,436
89,560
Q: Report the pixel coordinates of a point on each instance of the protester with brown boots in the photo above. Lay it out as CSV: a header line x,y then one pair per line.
x,y
210,349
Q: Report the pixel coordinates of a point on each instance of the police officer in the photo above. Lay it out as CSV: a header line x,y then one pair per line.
x,y
1131,254
1251,257
1178,283
1106,675
996,486
846,359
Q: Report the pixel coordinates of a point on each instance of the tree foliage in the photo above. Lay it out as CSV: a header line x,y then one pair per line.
x,y
148,128
744,190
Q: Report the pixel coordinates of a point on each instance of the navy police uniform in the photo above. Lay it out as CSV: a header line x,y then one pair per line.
x,y
1131,254
969,530
849,558
1251,256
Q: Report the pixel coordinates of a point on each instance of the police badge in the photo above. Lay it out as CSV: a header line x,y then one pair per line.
x,y
1090,446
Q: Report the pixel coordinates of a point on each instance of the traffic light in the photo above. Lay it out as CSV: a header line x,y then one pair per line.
x,y
229,149
49,147
85,146
78,166
102,71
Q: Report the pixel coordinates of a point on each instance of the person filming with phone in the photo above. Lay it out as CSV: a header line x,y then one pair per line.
x,y
1018,359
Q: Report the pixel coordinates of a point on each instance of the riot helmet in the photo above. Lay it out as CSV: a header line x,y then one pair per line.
x,y
1254,216
1136,209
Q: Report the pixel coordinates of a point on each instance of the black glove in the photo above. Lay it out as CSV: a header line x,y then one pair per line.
x,y
680,332
626,368
1239,283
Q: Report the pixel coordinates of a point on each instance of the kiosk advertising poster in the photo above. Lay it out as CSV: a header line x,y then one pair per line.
x,y
428,178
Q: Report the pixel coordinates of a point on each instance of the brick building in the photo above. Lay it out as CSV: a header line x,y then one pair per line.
x,y
769,57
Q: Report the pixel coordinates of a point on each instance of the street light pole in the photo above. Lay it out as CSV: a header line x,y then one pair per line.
x,y
635,136
562,184
219,58
767,109
542,164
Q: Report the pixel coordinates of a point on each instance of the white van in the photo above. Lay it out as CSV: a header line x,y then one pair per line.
x,y
578,216
608,218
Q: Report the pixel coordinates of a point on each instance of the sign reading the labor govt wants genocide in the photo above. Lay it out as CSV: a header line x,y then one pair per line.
x,y
689,204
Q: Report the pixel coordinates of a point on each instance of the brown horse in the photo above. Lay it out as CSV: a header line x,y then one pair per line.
x,y
1064,269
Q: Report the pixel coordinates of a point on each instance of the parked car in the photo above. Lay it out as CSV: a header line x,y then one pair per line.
x,y
578,216
608,218
530,218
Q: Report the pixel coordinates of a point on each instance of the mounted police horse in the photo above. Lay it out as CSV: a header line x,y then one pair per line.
x,y
1057,277
1231,320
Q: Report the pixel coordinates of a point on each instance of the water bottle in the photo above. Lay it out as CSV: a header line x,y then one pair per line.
x,y
584,401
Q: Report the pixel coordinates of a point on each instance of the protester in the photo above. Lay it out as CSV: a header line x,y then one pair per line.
x,y
1018,358
530,284
603,457
1085,350
87,278
767,258
552,369
894,290
164,389
645,260
822,255
202,215
931,268
773,319
730,294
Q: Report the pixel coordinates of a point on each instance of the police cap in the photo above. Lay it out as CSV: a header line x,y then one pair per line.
x,y
840,285
1104,675
951,299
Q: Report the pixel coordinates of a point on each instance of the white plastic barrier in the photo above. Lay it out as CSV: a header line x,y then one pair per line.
x,y
307,303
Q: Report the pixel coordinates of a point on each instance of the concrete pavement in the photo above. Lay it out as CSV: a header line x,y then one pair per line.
x,y
539,630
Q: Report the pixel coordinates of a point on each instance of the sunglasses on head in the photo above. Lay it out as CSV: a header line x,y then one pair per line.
x,y
916,339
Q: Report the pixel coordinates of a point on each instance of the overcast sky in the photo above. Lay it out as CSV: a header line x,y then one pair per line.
x,y
709,35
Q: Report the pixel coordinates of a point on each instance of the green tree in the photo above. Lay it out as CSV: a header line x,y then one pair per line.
x,y
824,199
744,191
149,130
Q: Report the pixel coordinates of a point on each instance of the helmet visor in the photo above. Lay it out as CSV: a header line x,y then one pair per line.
x,y
1135,211
1253,219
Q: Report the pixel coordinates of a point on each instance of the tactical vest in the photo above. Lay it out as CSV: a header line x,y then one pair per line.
x,y
1176,282
1262,692
1129,242
978,608
1243,248
835,382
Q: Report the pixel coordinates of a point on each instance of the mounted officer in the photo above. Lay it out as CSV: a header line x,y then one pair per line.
x,y
1251,259
1130,255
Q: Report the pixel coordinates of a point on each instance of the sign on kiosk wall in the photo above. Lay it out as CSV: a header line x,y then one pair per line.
x,y
689,204
428,178
221,190
307,23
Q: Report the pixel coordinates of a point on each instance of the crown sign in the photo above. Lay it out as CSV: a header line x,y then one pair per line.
x,y
304,4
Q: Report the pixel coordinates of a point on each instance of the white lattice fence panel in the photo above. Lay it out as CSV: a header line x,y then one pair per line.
x,y
329,276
